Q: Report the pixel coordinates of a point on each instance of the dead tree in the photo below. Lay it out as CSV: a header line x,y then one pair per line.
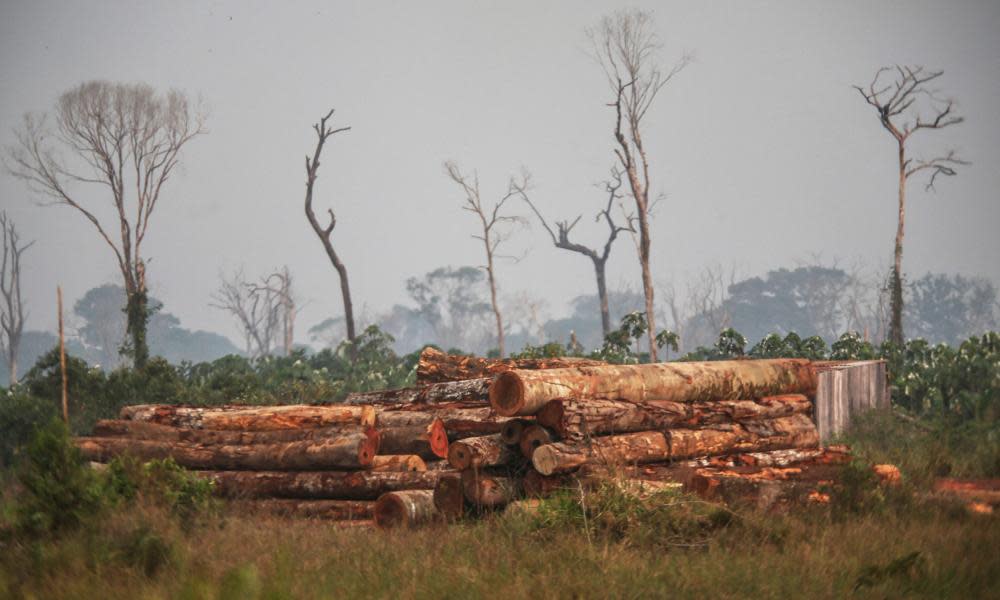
x,y
493,234
279,285
12,315
599,257
265,310
899,104
323,133
625,46
126,140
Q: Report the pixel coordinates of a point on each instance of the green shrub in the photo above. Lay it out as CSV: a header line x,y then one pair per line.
x,y
21,415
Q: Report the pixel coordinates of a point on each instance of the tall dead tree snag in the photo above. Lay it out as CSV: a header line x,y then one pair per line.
x,y
265,310
323,133
625,46
902,104
126,139
599,257
492,220
12,314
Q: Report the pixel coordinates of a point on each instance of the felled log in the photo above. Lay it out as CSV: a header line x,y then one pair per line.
x,y
522,392
147,430
349,451
408,508
436,366
429,440
796,431
458,422
251,418
449,498
642,447
472,392
489,490
971,490
342,485
511,431
536,485
482,451
532,437
580,418
337,510
398,462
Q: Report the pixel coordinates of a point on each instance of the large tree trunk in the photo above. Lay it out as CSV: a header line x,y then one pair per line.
x,y
532,437
342,485
350,451
148,430
796,431
459,423
398,462
251,418
437,367
471,392
602,295
429,440
562,457
407,508
896,292
136,319
484,451
525,392
334,510
647,280
579,418
489,490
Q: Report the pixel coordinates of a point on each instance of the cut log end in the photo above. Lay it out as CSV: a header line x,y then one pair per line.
x,y
449,499
437,437
511,431
460,456
507,394
404,509
545,460
533,437
551,416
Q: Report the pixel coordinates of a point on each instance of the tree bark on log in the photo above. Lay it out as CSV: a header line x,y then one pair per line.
x,y
458,422
398,462
428,440
251,418
796,431
575,419
482,451
408,508
449,498
521,392
562,457
537,485
146,430
336,510
342,485
473,392
350,451
436,366
532,437
488,490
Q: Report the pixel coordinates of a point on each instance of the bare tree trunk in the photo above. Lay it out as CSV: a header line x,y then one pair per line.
x,y
896,323
602,296
493,292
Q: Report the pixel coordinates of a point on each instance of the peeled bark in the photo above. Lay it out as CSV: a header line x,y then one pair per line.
x,y
796,431
251,418
449,498
336,510
473,392
436,366
489,490
351,451
533,437
562,457
512,430
483,451
429,440
580,418
146,430
342,485
405,509
398,462
523,392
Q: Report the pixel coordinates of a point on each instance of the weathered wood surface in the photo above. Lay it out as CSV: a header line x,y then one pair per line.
x,y
398,462
428,440
532,437
796,431
336,510
847,390
637,448
147,430
436,366
579,418
251,418
408,508
482,451
489,490
459,423
522,392
349,451
341,485
511,431
449,497
471,392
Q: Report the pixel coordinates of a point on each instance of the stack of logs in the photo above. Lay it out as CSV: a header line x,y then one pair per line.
x,y
475,435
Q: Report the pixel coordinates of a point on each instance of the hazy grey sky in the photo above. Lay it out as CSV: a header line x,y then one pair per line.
x,y
765,153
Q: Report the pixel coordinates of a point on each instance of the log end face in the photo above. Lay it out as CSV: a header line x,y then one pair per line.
x,y
390,512
544,460
551,415
437,437
459,456
507,394
511,431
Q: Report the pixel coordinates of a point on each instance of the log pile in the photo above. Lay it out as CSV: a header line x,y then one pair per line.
x,y
475,435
